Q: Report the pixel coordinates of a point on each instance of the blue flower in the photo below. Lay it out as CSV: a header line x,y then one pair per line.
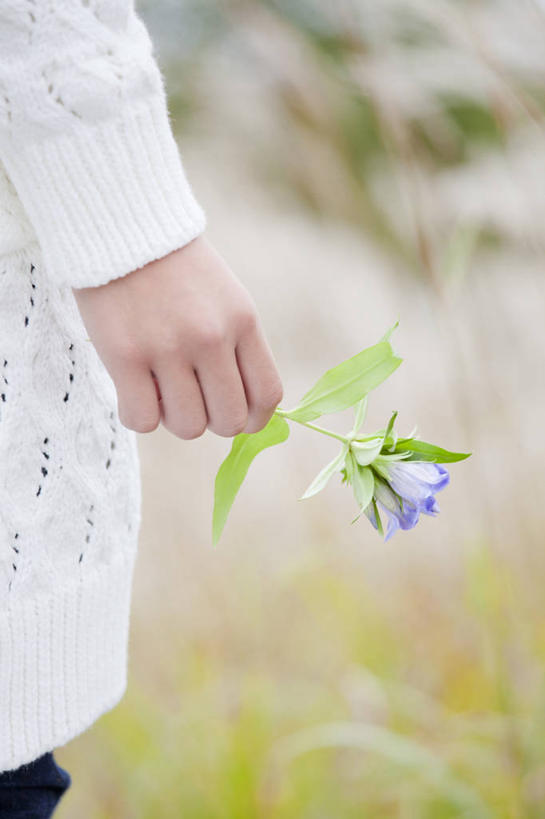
x,y
403,489
414,480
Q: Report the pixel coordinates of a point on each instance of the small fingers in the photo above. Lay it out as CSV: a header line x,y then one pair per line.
x,y
182,407
260,377
223,390
137,400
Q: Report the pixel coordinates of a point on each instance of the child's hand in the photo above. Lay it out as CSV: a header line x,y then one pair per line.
x,y
188,322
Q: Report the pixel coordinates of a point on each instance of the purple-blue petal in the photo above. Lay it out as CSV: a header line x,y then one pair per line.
x,y
403,490
409,516
403,515
417,480
393,523
429,506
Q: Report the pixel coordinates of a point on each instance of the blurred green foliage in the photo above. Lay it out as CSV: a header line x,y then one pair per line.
x,y
363,707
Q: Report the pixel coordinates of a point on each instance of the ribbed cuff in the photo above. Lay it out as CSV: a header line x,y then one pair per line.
x,y
63,662
107,198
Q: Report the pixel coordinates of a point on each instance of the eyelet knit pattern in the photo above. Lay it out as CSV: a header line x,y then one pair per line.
x,y
91,187
69,519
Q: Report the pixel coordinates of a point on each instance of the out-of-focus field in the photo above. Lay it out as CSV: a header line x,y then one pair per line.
x,y
358,162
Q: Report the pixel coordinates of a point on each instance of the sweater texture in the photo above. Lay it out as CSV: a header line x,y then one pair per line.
x,y
92,186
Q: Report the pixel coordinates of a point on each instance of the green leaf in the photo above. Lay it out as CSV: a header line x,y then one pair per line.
x,y
349,467
325,474
395,456
390,437
377,516
365,452
428,452
347,383
406,758
387,335
235,466
359,415
363,482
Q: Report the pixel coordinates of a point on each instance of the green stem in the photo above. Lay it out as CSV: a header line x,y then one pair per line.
x,y
284,414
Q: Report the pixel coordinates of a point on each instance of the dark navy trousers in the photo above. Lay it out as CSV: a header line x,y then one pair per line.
x,y
34,790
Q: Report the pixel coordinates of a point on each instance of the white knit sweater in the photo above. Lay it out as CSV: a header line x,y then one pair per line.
x,y
91,187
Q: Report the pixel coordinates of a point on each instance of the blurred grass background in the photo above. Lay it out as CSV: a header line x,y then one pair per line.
x,y
358,162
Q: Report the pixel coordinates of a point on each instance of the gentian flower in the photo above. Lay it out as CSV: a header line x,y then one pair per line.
x,y
414,480
397,477
403,489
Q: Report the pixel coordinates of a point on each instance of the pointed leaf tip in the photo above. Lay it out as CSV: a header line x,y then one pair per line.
x,y
348,383
321,479
387,335
422,451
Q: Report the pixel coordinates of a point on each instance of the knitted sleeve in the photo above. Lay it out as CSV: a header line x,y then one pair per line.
x,y
85,138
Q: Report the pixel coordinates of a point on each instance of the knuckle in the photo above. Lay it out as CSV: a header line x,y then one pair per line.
x,y
190,432
232,427
273,395
257,426
128,354
148,426
170,346
254,423
277,394
187,430
210,335
246,319
140,423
